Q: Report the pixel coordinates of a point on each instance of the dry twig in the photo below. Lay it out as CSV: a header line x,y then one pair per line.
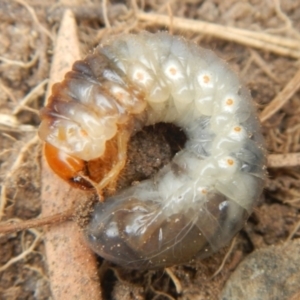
x,y
24,253
175,280
11,123
104,8
20,64
13,169
72,265
6,228
289,90
294,231
40,27
225,258
284,160
266,42
33,94
263,65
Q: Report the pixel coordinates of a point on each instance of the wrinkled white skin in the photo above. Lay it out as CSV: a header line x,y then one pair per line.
x,y
196,204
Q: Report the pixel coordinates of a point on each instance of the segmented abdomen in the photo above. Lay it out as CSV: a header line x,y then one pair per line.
x,y
201,199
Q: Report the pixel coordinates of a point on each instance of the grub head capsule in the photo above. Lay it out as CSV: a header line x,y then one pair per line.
x,y
198,202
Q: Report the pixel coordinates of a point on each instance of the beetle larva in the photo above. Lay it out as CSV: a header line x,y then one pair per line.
x,y
198,202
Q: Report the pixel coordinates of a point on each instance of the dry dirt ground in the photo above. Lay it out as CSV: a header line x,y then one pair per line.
x,y
27,30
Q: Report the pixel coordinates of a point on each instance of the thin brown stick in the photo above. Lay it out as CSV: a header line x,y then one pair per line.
x,y
35,18
7,91
18,63
281,99
284,160
288,27
71,264
11,126
175,280
104,9
263,65
225,258
294,231
267,42
33,94
7,228
24,253
15,166
170,13
134,6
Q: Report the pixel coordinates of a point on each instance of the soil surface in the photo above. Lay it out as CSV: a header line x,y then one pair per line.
x,y
25,60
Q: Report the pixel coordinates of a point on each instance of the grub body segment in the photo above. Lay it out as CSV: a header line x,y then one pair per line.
x,y
137,80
